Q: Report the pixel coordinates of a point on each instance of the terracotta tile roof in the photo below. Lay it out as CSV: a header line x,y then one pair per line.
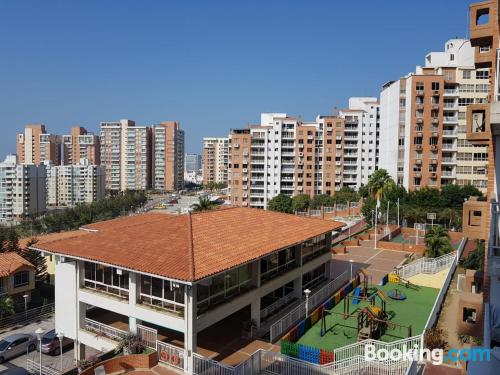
x,y
11,262
188,247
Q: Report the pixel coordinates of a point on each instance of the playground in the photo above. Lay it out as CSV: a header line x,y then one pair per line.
x,y
387,313
411,239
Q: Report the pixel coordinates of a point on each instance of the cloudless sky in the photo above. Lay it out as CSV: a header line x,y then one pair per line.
x,y
212,65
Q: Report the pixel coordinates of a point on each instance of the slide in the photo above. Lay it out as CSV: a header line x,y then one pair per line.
x,y
408,284
357,292
382,296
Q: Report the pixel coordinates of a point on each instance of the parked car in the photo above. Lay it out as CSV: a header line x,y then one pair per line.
x,y
15,345
15,371
51,344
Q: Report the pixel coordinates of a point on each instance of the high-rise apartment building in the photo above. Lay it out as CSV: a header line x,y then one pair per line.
x,y
284,155
215,160
81,144
35,145
361,140
423,117
126,155
192,162
69,185
168,156
22,190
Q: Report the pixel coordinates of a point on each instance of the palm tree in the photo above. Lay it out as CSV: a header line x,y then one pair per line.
x,y
204,204
437,242
6,307
380,183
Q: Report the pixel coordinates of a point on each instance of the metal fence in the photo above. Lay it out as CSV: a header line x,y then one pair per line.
x,y
148,336
315,299
34,368
171,355
105,330
28,316
427,265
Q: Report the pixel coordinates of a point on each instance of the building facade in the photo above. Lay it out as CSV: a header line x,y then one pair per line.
x,y
22,190
70,185
176,288
168,156
215,160
81,144
35,145
126,155
423,117
192,162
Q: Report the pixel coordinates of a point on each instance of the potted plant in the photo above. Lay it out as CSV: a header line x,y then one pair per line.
x,y
86,363
249,326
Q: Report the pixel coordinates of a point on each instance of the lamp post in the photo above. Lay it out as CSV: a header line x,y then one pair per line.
x,y
39,334
26,306
60,336
307,292
351,262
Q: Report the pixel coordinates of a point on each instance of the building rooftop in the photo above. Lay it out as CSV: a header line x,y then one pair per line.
x,y
187,247
11,262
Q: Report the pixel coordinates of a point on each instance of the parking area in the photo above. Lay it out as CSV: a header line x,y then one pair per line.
x,y
378,262
47,360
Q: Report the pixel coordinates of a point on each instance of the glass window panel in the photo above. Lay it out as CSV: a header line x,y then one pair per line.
x,y
157,287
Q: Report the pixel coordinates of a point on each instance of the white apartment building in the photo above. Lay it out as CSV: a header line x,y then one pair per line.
x,y
183,283
215,160
423,121
361,140
69,185
126,155
22,190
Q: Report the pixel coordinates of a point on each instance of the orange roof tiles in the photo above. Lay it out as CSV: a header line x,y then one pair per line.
x,y
188,247
11,262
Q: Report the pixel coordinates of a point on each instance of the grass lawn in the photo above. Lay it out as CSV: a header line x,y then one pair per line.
x,y
413,311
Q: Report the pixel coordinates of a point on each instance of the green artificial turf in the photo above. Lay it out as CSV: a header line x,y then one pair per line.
x,y
414,310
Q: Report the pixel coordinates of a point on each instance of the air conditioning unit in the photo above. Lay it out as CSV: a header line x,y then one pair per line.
x,y
301,154
236,145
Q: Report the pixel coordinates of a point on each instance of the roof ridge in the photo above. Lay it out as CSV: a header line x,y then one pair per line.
x,y
190,247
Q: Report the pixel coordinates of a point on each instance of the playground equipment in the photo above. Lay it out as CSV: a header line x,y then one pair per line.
x,y
371,299
397,295
395,278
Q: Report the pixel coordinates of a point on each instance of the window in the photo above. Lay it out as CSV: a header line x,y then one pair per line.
x,y
482,74
452,57
21,278
106,279
161,293
435,86
419,86
465,101
466,74
483,88
469,315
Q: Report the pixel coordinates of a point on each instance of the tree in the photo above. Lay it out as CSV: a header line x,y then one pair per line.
x,y
12,243
281,203
437,242
322,200
346,195
301,202
37,260
475,260
380,183
6,306
204,204
435,339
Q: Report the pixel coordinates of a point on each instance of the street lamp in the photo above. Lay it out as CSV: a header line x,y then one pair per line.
x,y
39,334
26,306
60,336
351,262
307,292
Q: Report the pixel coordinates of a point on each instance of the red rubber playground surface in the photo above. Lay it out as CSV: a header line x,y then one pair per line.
x,y
378,262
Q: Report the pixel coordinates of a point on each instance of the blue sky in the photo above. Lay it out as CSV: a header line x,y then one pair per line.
x,y
212,65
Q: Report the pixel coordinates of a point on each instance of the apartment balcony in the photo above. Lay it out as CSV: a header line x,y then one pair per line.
x,y
105,324
446,160
448,174
450,119
450,133
451,93
449,147
478,123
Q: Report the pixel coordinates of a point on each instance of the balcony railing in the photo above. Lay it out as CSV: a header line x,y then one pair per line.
x,y
104,330
276,305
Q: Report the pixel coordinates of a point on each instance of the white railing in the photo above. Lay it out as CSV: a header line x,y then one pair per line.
x,y
148,336
433,316
34,368
315,299
207,366
427,265
36,313
105,330
171,355
276,305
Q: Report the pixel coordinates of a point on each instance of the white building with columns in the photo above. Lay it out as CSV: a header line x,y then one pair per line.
x,y
184,277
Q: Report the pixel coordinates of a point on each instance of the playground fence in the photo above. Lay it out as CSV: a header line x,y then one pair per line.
x,y
286,322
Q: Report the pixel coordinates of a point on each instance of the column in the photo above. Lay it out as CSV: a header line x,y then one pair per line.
x,y
255,312
132,300
190,331
297,287
255,269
